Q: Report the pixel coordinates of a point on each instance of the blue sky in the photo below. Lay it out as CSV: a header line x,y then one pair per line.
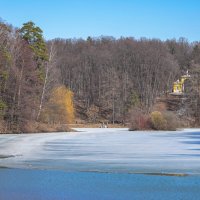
x,y
161,19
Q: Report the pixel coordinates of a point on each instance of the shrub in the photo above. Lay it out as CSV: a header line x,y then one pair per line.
x,y
158,121
138,120
164,121
172,121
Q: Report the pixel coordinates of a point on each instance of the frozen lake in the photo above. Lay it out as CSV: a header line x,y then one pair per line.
x,y
108,164
104,150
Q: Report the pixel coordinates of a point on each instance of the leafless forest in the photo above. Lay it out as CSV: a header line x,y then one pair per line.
x,y
108,77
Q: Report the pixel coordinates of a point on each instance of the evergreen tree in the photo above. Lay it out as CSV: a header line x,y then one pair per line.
x,y
33,35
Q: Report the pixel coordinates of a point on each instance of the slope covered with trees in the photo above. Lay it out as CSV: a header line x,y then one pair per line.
x,y
103,78
110,77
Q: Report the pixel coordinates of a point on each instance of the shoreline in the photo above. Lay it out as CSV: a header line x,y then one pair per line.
x,y
72,129
59,128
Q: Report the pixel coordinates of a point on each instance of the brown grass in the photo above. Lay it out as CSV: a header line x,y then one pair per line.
x,y
44,128
36,127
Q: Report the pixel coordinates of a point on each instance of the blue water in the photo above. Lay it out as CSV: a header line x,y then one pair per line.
x,y
20,184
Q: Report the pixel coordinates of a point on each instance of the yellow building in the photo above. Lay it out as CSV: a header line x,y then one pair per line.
x,y
178,86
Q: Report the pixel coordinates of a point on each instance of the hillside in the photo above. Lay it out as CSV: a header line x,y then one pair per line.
x,y
64,81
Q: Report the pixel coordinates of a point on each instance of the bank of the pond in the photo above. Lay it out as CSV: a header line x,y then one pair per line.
x,y
37,127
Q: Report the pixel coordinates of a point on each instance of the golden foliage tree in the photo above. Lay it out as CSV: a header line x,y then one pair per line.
x,y
61,107
69,106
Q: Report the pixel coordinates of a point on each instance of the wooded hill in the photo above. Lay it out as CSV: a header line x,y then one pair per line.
x,y
94,80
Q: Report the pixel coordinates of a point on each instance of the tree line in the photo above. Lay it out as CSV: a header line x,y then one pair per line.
x,y
116,75
105,77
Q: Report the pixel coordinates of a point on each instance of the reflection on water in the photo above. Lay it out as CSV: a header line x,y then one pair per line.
x,y
104,150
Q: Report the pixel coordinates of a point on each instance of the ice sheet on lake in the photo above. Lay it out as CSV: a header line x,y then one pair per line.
x,y
104,150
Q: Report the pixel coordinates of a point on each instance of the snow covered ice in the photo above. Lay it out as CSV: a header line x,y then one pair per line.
x,y
105,150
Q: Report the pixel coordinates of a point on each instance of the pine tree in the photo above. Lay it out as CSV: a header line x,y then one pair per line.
x,y
33,35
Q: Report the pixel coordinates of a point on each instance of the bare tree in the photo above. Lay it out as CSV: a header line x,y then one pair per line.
x,y
48,81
